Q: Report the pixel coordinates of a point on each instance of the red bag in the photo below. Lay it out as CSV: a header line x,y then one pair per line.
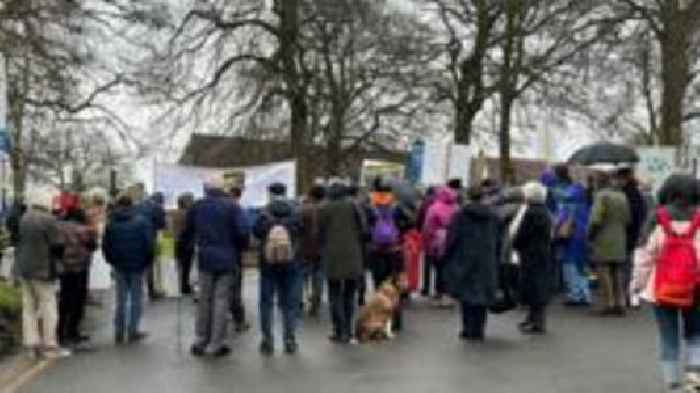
x,y
677,265
412,248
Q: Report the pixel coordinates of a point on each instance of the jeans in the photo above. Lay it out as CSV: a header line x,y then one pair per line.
x,y
577,285
212,310
669,321
474,319
39,304
127,316
284,282
342,301
71,305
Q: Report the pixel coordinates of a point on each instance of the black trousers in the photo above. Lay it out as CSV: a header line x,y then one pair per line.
x,y
71,305
427,276
341,294
184,260
474,318
237,304
537,316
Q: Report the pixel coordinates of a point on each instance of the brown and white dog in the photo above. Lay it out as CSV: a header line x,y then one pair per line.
x,y
375,319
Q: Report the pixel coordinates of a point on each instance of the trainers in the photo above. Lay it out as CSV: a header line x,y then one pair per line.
x,y
291,347
57,353
222,352
197,351
137,337
119,339
266,348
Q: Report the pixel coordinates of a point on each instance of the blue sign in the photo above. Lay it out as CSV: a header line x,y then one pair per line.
x,y
414,167
5,141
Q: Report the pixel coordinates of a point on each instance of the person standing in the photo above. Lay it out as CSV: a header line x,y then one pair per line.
x,y
128,247
39,247
471,263
80,241
437,222
311,245
364,210
607,232
341,253
216,227
184,253
638,210
237,304
675,324
532,241
153,212
278,228
571,239
428,200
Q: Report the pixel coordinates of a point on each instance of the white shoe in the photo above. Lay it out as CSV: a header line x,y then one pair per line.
x,y
57,353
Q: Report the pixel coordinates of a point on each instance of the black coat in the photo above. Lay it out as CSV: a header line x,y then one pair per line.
x,y
638,208
473,255
533,242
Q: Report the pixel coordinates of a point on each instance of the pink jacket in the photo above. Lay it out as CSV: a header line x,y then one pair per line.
x,y
645,259
439,215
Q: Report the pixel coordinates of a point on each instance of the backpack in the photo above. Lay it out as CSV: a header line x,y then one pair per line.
x,y
385,234
278,248
78,244
677,264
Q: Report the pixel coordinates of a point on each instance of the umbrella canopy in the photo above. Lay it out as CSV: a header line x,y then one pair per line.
x,y
679,185
604,153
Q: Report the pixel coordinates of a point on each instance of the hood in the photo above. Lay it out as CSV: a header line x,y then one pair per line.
x,y
548,178
215,193
447,195
123,214
478,212
280,208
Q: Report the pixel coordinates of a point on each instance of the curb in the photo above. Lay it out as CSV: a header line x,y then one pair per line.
x,y
17,370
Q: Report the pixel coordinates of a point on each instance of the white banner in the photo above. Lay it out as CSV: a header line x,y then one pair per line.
x,y
435,161
3,93
175,180
460,163
655,165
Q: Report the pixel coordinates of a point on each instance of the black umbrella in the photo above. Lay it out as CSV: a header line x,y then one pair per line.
x,y
604,153
679,186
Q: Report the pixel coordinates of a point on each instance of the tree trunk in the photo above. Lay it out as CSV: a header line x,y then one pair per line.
x,y
504,139
675,76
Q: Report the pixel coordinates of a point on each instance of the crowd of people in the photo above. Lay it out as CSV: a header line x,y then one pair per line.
x,y
485,247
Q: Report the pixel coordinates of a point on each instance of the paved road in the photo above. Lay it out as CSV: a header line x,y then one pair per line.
x,y
582,354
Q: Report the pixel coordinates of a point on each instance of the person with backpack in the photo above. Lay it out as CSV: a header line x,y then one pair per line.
x,y
667,259
279,228
385,252
607,234
127,244
437,222
216,227
80,241
341,253
311,246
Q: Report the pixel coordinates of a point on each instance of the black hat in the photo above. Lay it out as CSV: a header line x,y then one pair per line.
x,y
277,189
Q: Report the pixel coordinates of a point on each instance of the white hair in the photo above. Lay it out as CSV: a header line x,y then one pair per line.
x,y
534,192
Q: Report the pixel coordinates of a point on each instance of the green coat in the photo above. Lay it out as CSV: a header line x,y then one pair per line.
x,y
607,228
341,234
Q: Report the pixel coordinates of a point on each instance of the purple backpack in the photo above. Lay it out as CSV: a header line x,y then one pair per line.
x,y
385,234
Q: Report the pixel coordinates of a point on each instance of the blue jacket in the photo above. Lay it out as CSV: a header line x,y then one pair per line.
x,y
575,204
278,212
154,214
128,243
216,225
